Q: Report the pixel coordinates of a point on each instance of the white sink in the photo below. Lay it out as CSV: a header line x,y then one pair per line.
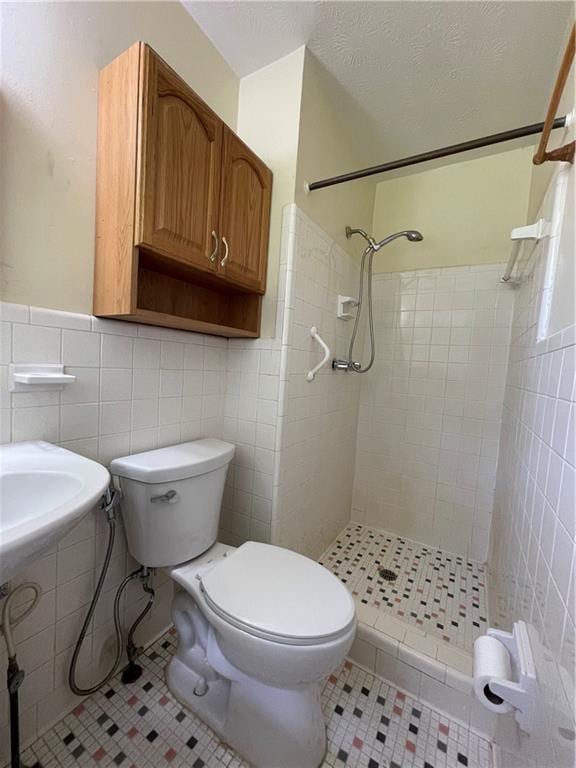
x,y
44,491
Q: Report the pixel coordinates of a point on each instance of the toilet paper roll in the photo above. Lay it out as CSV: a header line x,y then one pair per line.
x,y
491,662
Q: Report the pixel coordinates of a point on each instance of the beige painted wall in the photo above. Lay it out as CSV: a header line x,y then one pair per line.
x,y
294,115
298,119
334,138
51,54
464,210
268,121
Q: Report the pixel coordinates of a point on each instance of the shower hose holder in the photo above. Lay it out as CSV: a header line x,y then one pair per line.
x,y
345,304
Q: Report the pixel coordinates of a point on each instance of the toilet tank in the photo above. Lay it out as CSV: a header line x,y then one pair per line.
x,y
171,500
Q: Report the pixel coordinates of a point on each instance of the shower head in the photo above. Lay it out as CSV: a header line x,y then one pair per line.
x,y
410,234
414,236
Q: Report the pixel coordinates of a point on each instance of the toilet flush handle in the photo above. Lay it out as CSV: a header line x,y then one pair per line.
x,y
170,497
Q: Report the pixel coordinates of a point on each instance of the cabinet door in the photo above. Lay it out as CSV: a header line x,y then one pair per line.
x,y
244,215
179,173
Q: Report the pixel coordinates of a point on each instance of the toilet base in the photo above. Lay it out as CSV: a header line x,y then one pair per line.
x,y
271,727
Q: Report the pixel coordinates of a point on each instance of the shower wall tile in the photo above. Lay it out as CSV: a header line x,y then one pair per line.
x,y
533,546
430,408
317,420
291,479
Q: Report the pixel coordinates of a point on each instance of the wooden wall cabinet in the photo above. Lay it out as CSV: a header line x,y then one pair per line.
x,y
182,206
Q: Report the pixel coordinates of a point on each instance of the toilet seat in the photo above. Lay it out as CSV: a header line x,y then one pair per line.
x,y
279,595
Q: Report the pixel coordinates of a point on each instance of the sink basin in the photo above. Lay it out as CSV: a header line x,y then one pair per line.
x,y
44,492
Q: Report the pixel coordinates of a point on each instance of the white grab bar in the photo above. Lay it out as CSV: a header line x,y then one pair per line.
x,y
327,354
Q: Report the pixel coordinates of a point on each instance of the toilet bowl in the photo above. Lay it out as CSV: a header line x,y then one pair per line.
x,y
259,627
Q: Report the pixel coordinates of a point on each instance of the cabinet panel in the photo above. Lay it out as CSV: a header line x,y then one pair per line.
x,y
244,215
180,168
115,265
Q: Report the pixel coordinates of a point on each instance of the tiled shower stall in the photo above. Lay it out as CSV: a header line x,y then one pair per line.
x,y
431,407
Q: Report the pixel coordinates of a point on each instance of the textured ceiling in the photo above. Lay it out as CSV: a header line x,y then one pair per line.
x,y
427,73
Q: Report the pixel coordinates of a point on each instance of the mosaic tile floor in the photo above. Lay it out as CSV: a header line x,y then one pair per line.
x,y
370,725
441,593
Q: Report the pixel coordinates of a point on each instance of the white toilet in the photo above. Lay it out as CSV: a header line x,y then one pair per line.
x,y
259,626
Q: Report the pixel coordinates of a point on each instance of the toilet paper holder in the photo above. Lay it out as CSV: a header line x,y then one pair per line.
x,y
523,695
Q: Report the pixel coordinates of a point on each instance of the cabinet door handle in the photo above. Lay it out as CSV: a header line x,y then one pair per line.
x,y
214,253
227,252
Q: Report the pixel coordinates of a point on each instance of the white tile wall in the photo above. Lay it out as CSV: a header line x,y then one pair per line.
x,y
533,537
430,408
137,388
250,422
317,420
130,378
291,479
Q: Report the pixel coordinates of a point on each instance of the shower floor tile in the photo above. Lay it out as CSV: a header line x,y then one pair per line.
x,y
439,592
371,724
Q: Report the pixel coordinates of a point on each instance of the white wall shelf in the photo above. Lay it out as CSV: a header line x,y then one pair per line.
x,y
31,377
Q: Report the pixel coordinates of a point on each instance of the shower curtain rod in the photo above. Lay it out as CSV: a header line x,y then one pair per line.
x,y
453,149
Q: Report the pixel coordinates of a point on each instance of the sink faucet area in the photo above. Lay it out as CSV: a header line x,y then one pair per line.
x,y
45,491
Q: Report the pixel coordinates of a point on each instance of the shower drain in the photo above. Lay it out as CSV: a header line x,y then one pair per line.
x,y
387,574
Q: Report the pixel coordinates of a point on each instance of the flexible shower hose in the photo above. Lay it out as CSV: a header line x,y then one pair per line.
x,y
111,503
357,367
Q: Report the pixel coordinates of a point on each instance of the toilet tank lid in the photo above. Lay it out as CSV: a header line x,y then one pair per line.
x,y
176,462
